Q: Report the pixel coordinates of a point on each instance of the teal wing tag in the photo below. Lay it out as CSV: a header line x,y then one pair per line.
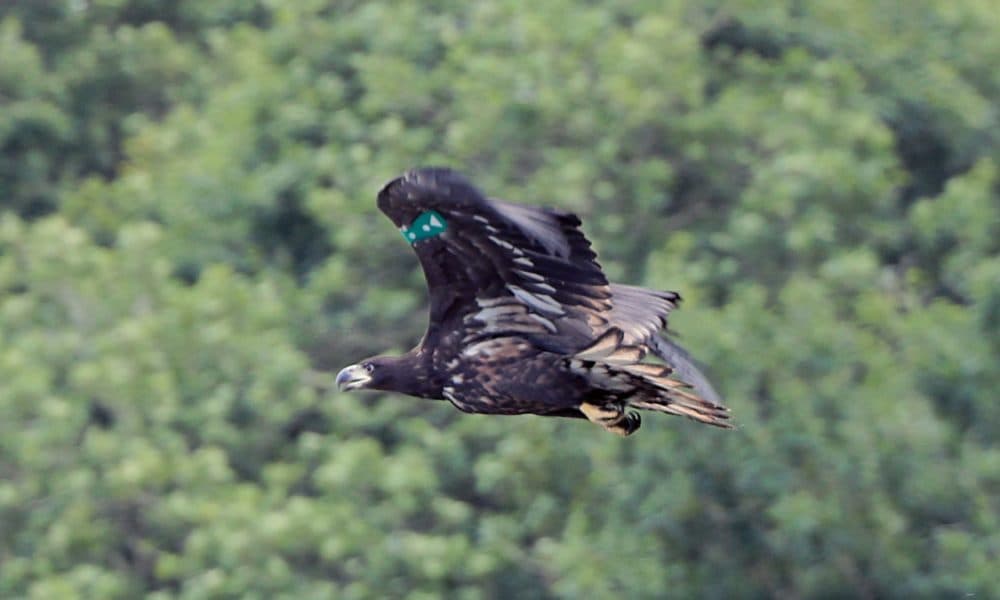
x,y
427,225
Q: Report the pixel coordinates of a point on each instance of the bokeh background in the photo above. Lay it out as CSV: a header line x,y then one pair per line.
x,y
189,246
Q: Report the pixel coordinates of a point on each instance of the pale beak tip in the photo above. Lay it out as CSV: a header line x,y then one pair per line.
x,y
343,377
352,378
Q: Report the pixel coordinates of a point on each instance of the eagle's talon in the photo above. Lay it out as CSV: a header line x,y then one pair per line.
x,y
612,417
632,422
628,425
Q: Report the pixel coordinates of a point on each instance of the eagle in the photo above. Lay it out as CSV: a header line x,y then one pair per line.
x,y
524,321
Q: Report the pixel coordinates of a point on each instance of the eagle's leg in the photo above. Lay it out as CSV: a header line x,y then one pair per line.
x,y
612,417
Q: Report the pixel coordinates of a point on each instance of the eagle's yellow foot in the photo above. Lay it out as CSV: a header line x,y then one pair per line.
x,y
612,417
627,426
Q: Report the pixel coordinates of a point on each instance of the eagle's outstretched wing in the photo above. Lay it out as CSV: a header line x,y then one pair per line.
x,y
501,267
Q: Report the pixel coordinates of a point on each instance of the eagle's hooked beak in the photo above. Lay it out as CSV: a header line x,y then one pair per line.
x,y
352,378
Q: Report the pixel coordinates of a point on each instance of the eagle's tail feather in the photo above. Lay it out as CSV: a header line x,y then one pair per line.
x,y
662,393
614,368
697,410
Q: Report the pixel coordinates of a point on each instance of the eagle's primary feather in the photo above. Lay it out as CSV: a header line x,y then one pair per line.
x,y
523,319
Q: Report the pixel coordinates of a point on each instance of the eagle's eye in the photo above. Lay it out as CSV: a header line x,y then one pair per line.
x,y
369,367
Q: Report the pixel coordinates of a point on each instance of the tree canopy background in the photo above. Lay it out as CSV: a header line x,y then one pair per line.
x,y
189,244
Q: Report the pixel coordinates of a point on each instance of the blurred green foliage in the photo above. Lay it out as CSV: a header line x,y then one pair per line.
x,y
189,239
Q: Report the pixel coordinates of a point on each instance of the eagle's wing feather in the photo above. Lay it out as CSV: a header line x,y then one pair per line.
x,y
684,367
641,313
502,265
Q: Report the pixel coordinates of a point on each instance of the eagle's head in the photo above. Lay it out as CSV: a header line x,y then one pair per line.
x,y
385,373
357,377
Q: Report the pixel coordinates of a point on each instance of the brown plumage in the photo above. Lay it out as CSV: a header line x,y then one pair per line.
x,y
523,320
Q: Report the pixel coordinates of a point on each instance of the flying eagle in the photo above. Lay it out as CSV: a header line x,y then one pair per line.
x,y
523,320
